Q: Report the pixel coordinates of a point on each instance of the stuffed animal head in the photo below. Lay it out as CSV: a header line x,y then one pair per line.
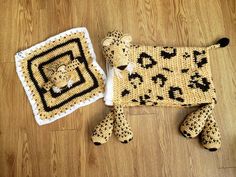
x,y
61,75
116,49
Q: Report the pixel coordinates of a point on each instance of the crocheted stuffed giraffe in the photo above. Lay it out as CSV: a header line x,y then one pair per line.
x,y
158,76
117,56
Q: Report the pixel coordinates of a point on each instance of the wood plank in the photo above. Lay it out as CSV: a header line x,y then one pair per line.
x,y
63,148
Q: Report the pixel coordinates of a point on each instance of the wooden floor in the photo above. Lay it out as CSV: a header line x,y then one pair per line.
x,y
63,148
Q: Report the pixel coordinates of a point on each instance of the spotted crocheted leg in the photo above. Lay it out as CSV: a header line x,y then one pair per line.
x,y
122,129
103,130
210,136
194,122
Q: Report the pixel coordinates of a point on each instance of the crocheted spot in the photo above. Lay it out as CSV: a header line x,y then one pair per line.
x,y
122,67
186,105
197,81
199,58
146,61
161,78
184,70
186,55
175,92
125,92
143,100
160,98
168,52
214,100
167,69
135,79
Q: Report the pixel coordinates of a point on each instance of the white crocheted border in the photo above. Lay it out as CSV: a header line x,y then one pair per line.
x,y
21,55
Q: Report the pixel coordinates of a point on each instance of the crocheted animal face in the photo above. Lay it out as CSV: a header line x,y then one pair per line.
x,y
116,49
61,76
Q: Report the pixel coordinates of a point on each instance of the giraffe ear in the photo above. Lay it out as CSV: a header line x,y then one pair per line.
x,y
127,38
107,41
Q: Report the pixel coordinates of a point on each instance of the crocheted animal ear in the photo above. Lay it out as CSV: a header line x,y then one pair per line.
x,y
223,42
127,38
107,41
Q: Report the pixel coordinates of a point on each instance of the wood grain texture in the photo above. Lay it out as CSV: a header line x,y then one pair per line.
x,y
64,148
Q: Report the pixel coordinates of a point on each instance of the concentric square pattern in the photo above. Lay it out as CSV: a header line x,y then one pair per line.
x,y
33,65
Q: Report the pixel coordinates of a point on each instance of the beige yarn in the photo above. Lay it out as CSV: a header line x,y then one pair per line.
x,y
173,75
60,75
164,76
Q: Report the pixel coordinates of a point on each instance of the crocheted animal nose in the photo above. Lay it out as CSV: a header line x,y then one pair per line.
x,y
122,67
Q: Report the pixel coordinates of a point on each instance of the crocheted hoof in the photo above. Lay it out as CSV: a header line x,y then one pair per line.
x,y
98,140
126,137
194,122
122,130
103,130
125,142
97,143
210,136
185,133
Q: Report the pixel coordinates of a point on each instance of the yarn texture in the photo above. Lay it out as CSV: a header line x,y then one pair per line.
x,y
162,76
60,75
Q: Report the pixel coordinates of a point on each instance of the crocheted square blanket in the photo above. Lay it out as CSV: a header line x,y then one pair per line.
x,y
60,75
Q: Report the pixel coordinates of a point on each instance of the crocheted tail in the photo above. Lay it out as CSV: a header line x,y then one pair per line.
x,y
202,121
223,42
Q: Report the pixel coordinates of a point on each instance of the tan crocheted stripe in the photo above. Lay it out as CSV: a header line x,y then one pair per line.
x,y
166,76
